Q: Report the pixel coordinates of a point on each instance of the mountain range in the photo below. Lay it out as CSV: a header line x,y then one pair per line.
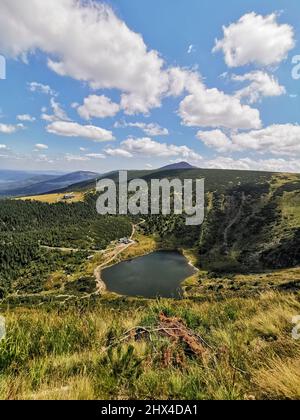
x,y
22,183
16,184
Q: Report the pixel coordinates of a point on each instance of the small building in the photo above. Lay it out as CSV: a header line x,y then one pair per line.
x,y
68,196
125,241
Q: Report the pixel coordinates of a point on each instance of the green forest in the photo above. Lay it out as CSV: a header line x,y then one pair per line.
x,y
27,228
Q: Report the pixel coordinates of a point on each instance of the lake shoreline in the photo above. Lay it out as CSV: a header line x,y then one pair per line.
x,y
163,290
141,247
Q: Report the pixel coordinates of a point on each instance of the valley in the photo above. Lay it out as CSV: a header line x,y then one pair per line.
x,y
232,323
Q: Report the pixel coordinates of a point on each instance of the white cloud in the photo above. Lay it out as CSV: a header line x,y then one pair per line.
x,y
146,147
40,87
215,139
72,129
98,106
10,128
205,107
181,80
87,42
3,147
262,85
59,113
191,49
70,158
41,146
118,152
26,118
277,139
256,39
151,129
82,149
270,165
48,118
96,155
212,108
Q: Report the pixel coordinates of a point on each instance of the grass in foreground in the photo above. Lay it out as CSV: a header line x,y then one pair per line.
x,y
79,352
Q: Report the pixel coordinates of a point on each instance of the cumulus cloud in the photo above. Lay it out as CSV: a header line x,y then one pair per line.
x,y
72,129
118,152
96,155
215,139
204,107
107,55
10,128
41,146
3,147
277,139
269,165
98,106
262,85
212,108
26,118
151,129
147,147
256,39
40,87
48,118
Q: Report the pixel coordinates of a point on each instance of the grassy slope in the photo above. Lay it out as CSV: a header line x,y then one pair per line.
x,y
54,198
56,354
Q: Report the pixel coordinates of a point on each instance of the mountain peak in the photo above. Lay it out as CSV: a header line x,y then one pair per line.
x,y
179,165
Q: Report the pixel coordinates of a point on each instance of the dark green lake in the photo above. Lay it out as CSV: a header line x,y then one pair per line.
x,y
155,275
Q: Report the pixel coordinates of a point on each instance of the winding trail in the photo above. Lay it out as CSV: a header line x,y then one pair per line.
x,y
100,285
62,249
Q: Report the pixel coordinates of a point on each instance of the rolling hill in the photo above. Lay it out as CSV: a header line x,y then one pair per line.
x,y
215,179
45,183
10,180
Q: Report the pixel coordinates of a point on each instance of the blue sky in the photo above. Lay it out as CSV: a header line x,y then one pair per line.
x,y
131,84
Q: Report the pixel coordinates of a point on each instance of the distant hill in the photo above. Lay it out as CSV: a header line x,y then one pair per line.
x,y
10,180
43,184
10,175
179,165
215,179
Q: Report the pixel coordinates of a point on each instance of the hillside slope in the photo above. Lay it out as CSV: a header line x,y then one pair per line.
x,y
252,218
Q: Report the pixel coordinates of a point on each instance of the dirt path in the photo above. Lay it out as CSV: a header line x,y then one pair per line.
x,y
62,249
100,285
